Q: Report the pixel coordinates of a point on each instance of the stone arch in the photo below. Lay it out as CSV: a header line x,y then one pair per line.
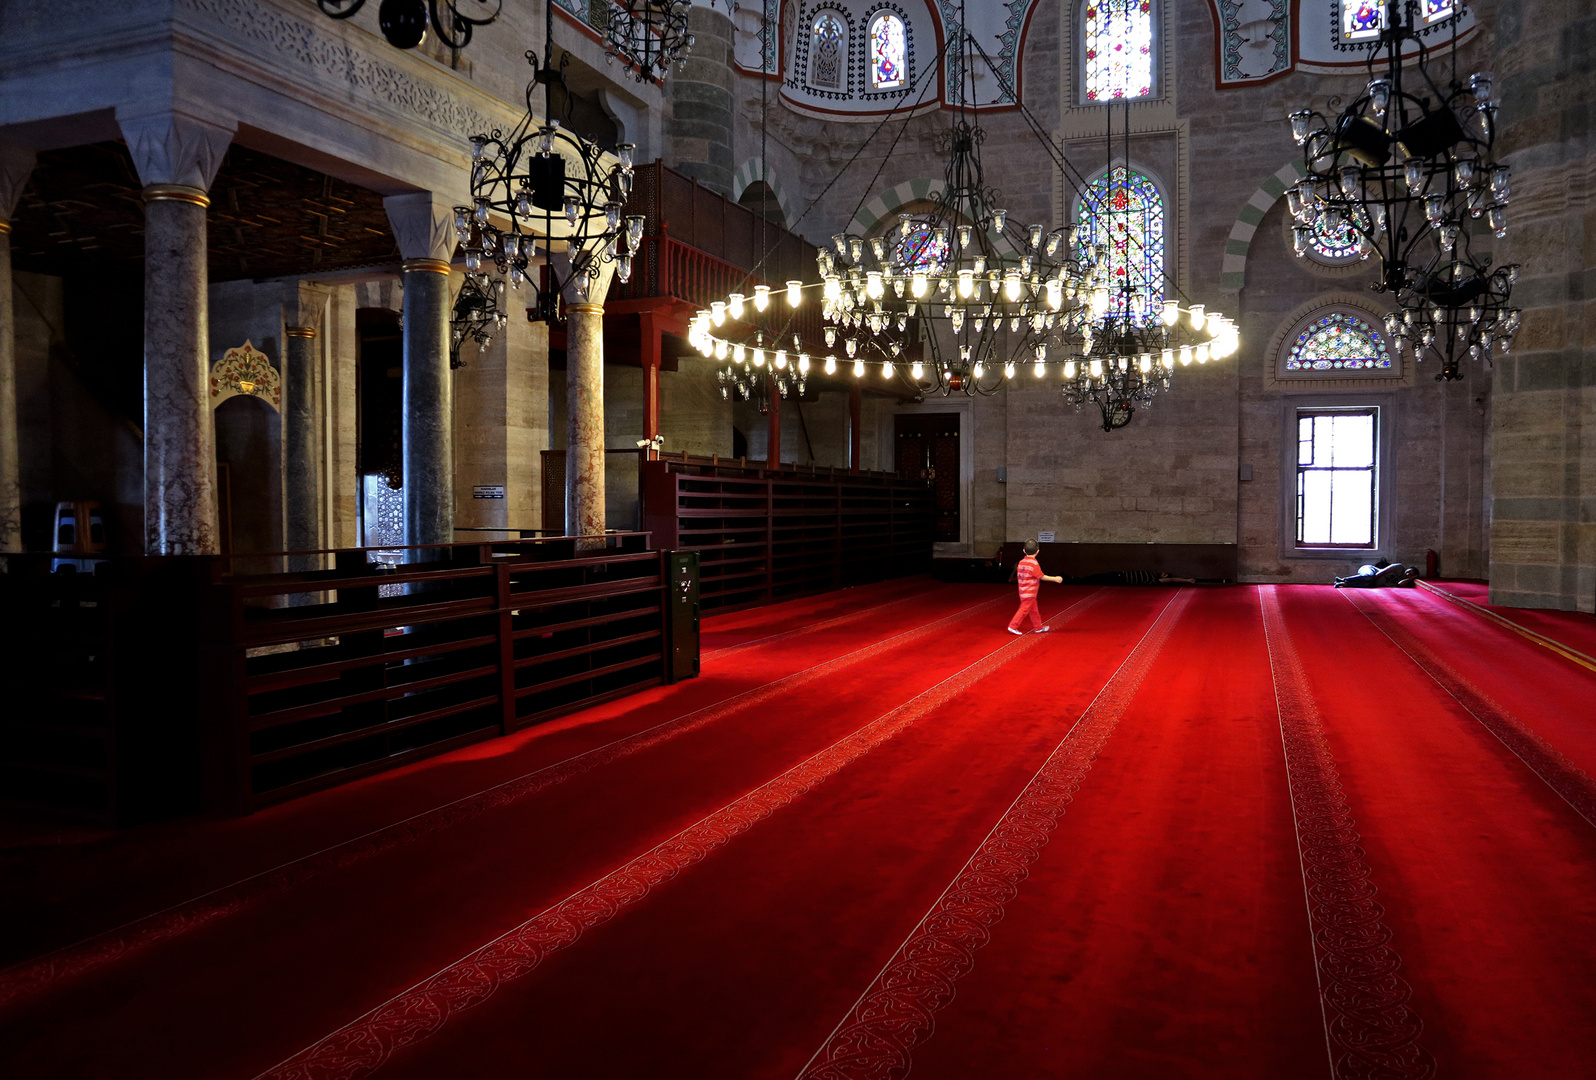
x,y
889,202
1233,271
754,170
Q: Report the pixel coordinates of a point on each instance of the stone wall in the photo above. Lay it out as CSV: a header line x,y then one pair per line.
x,y
1543,452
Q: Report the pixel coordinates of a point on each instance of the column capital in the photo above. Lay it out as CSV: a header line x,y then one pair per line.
x,y
423,223
16,165
303,304
175,148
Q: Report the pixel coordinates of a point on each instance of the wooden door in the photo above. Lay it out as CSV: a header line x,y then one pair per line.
x,y
928,448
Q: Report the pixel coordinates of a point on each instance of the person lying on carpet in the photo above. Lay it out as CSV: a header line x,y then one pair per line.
x,y
1130,577
1382,574
1029,574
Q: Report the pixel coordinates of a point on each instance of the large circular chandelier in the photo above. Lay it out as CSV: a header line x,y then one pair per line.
x,y
478,313
959,298
1408,169
542,185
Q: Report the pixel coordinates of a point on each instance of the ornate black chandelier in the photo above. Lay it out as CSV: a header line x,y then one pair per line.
x,y
648,36
477,314
1408,168
404,22
542,196
763,376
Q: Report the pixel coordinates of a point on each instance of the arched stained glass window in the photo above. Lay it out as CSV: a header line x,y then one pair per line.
x,y
1362,20
1337,343
828,51
888,52
1116,49
923,249
1124,210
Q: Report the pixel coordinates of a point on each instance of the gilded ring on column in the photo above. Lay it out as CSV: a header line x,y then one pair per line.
x,y
176,193
434,266
301,331
5,227
585,309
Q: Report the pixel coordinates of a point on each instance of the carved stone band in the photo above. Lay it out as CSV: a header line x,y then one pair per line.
x,y
301,331
176,193
431,266
584,309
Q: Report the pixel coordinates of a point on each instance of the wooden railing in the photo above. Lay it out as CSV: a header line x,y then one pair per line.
x,y
308,680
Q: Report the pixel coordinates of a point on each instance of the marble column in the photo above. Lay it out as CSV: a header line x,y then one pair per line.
x,y
302,314
177,156
423,223
584,442
15,166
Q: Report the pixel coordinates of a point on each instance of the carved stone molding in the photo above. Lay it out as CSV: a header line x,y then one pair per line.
x,y
317,51
173,148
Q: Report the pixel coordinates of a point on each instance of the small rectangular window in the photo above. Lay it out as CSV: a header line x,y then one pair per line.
x,y
1337,477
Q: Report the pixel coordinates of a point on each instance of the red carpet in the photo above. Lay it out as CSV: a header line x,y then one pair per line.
x,y
1208,832
1574,631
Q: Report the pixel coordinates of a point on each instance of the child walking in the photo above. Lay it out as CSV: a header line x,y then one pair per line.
x,y
1030,576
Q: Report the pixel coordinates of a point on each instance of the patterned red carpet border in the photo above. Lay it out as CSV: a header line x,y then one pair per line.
x,y
1560,774
34,976
361,1048
1369,1027
876,1040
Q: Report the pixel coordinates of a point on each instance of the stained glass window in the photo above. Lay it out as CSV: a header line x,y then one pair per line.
x,y
923,249
1342,244
888,52
1436,10
1117,49
1123,209
1362,20
828,51
1337,474
1338,342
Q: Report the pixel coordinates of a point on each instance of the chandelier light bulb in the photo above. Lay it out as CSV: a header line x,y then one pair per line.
x,y
1055,293
762,294
1167,359
1145,363
917,284
1097,369
739,353
1413,174
966,281
873,287
1299,125
1196,316
1008,370
781,360
794,293
1185,356
735,305
1041,352
803,363
886,369
964,237
831,365
1171,312
1201,353
1351,180
858,369
759,357
1379,95
720,349
1100,301
1012,285
956,316
717,312
1070,368
852,345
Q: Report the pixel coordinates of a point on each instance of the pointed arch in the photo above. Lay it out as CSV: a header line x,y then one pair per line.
x,y
752,171
1233,271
